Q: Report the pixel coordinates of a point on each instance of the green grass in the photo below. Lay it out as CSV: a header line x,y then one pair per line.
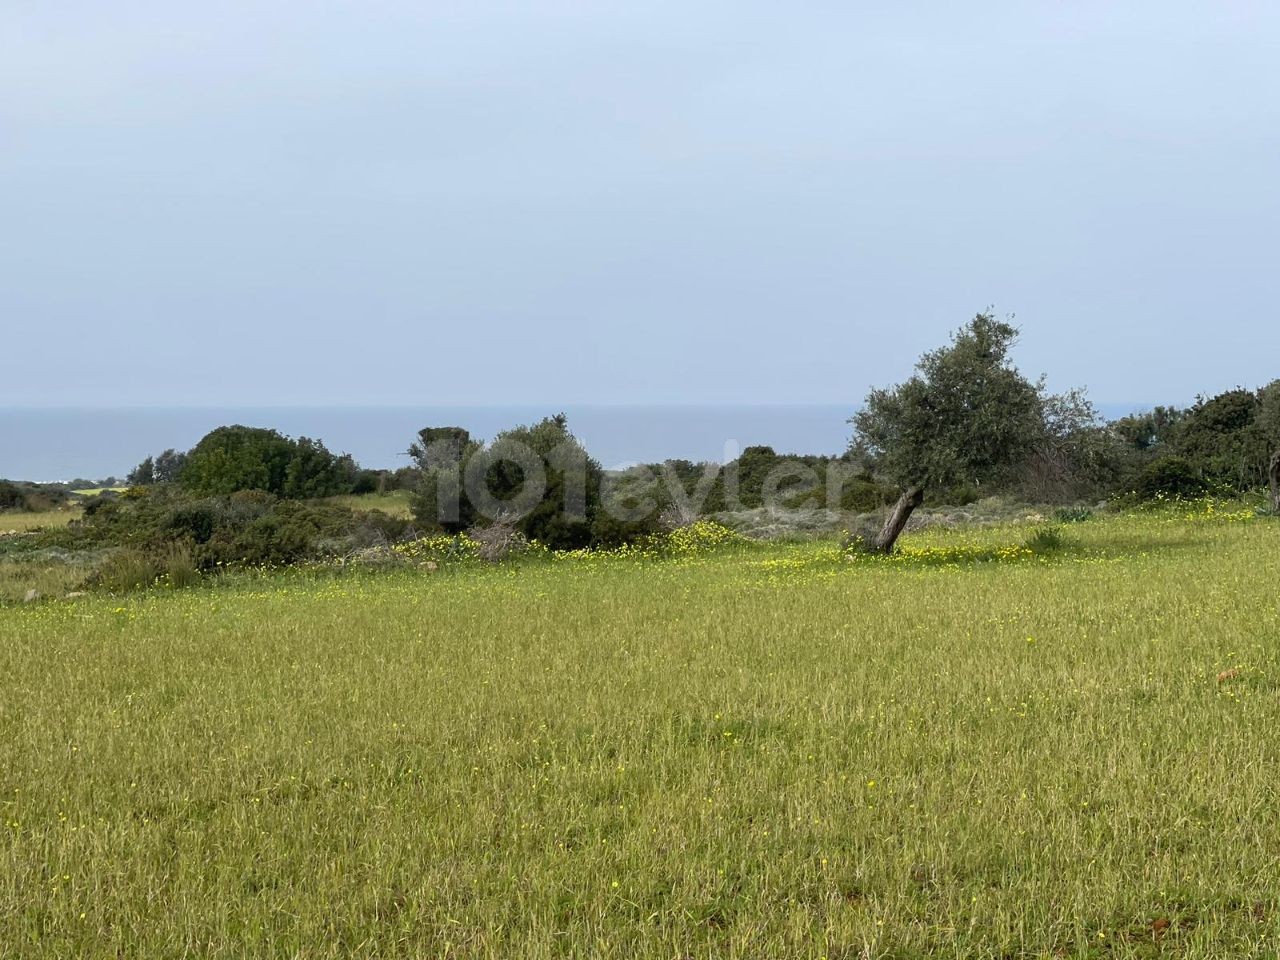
x,y
23,522
969,750
395,503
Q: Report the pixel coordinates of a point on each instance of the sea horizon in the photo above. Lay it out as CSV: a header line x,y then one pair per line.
x,y
51,444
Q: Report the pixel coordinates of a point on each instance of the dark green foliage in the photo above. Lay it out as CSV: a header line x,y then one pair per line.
x,y
862,493
681,491
143,475
440,456
244,528
1073,514
537,477
369,481
1222,444
11,496
1267,422
315,472
248,458
238,458
33,497
1149,430
169,465
1044,540
1222,439
747,475
1169,477
965,417
441,447
164,468
561,517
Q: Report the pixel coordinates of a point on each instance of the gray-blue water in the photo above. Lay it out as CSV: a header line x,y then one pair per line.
x,y
63,444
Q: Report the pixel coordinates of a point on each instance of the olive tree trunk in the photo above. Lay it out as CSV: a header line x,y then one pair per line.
x,y
1274,476
911,498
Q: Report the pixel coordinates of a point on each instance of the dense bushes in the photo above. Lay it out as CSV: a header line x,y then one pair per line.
x,y
1221,443
12,496
244,528
230,459
538,478
681,491
34,497
1169,477
165,468
237,458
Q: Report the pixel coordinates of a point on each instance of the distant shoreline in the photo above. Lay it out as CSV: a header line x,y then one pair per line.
x,y
57,444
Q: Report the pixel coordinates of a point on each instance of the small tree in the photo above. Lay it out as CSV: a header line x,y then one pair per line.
x,y
965,416
537,479
168,466
438,502
235,458
143,475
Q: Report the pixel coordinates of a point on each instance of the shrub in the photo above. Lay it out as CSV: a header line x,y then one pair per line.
x,y
125,570
248,527
178,566
1046,540
1169,477
230,459
11,496
1073,514
464,483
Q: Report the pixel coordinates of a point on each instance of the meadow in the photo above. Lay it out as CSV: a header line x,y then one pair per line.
x,y
972,749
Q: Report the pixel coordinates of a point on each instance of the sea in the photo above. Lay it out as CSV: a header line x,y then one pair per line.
x,y
52,445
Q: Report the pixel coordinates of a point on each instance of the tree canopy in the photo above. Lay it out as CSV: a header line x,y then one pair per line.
x,y
966,413
236,458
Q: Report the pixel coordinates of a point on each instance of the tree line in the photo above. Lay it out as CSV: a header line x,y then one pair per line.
x,y
967,424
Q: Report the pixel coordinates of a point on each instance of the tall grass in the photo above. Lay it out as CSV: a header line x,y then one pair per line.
x,y
767,751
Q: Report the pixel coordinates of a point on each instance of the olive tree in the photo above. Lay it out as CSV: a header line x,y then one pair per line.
x,y
1269,426
965,416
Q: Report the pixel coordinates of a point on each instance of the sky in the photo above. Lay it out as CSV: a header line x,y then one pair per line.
x,y
660,202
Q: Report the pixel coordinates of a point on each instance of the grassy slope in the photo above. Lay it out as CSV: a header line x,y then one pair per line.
x,y
766,753
395,503
21,522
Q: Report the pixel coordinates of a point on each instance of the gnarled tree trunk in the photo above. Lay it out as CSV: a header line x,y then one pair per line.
x,y
911,498
1274,475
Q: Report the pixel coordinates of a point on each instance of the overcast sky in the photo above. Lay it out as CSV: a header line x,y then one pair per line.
x,y
554,202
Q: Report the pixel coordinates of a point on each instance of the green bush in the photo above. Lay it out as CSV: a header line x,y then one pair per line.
x,y
245,528
464,484
1073,514
11,496
33,497
178,566
230,459
1169,477
124,571
1046,540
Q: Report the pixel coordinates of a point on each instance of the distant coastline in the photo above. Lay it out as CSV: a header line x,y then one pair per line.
x,y
57,444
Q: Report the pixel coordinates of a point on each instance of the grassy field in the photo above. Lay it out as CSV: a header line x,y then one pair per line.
x,y
395,503
760,751
21,522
